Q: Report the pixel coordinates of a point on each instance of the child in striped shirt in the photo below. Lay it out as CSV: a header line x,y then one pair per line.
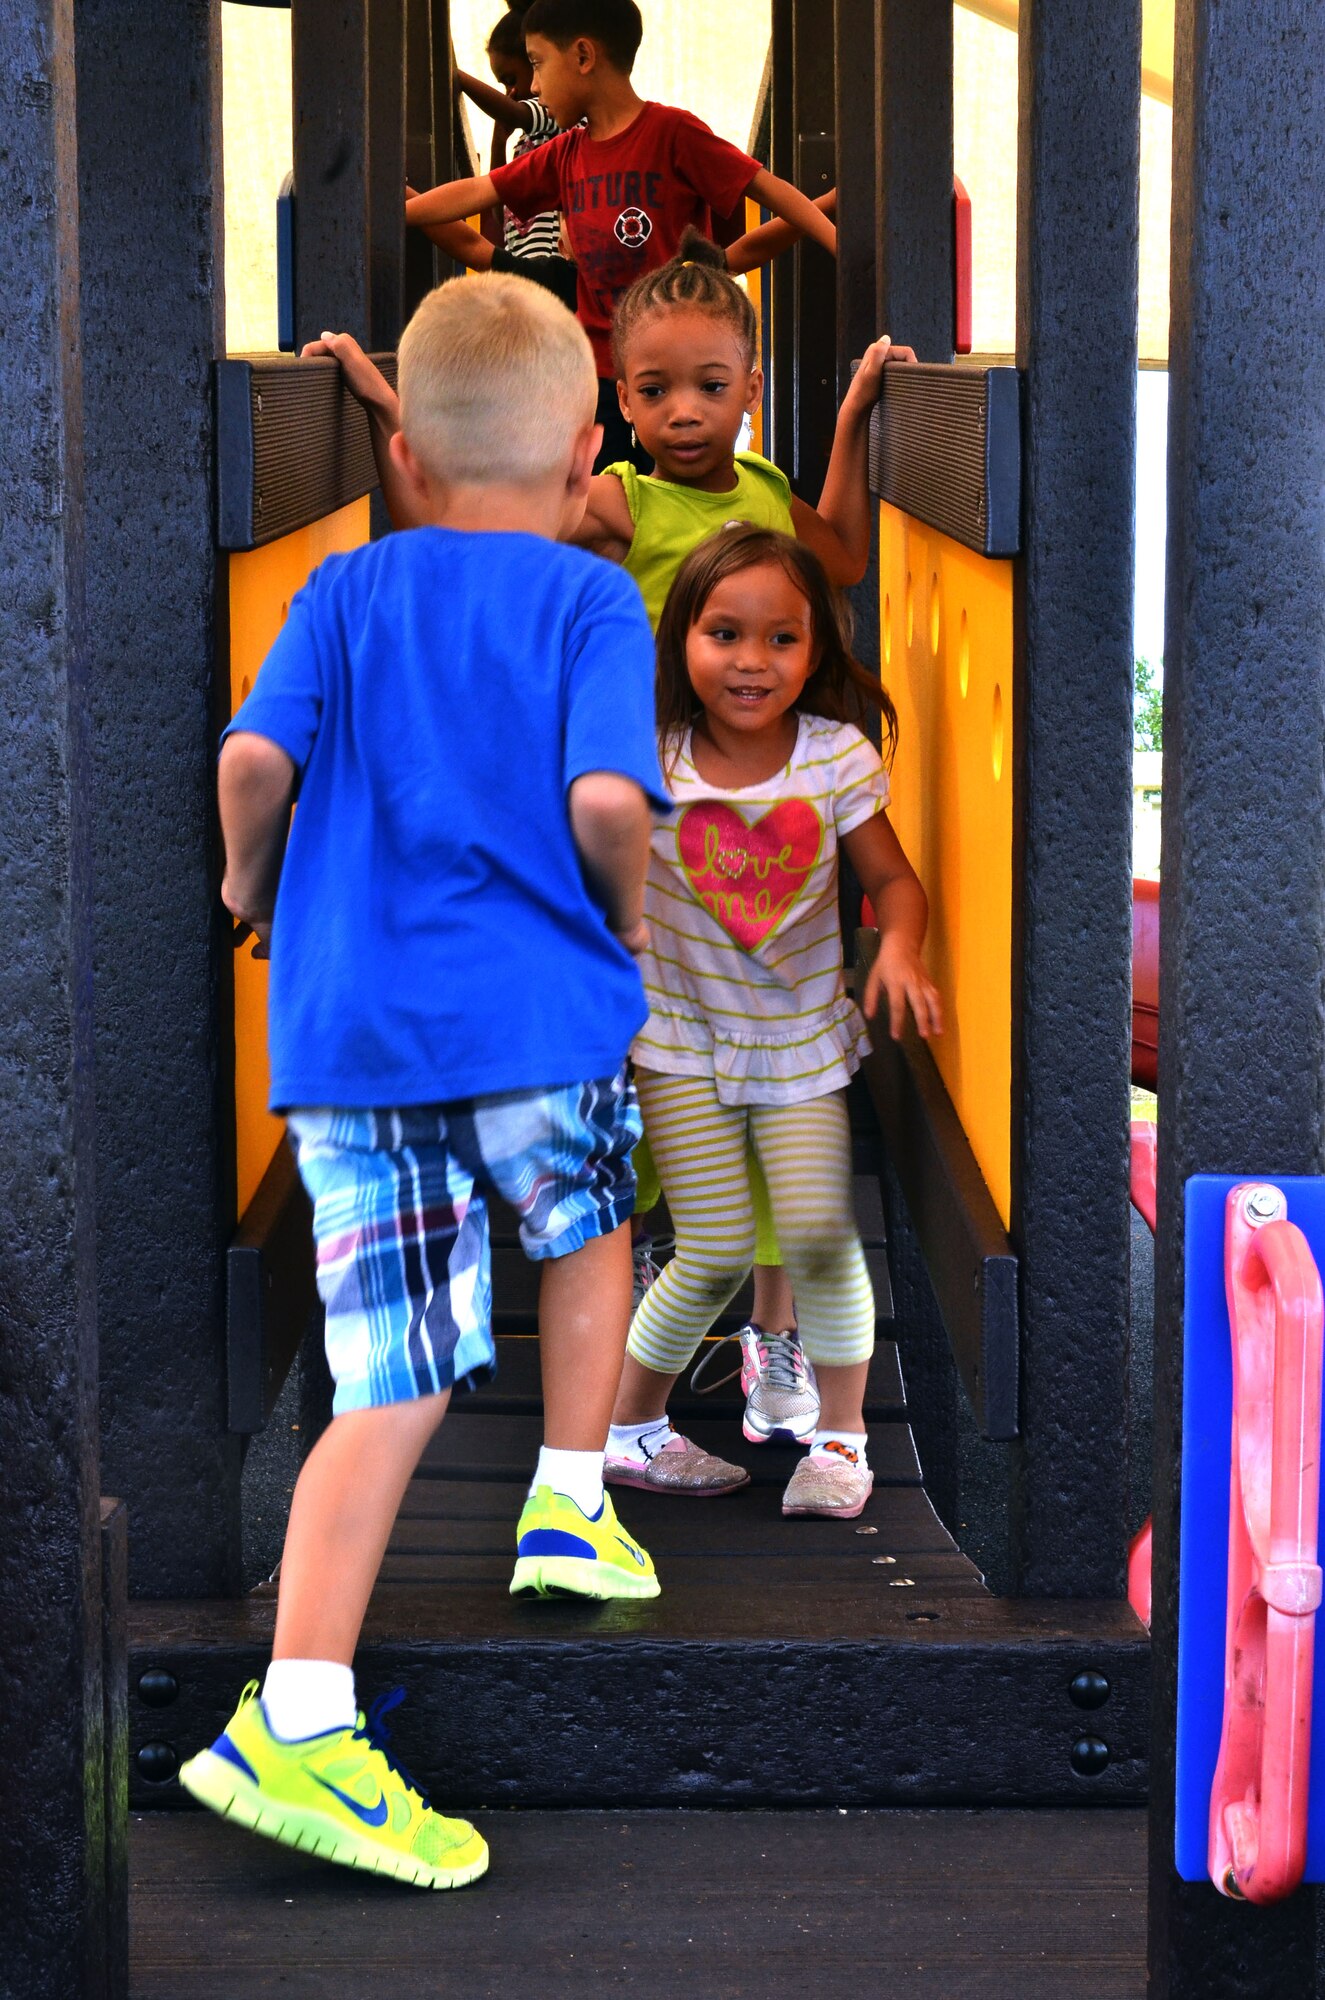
x,y
751,1035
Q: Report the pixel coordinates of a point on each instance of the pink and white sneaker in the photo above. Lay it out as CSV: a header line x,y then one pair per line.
x,y
781,1394
678,1466
830,1482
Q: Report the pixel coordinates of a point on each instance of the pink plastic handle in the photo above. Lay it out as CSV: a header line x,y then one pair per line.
x,y
1258,1805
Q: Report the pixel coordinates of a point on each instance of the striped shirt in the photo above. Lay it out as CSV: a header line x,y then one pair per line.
x,y
540,236
743,972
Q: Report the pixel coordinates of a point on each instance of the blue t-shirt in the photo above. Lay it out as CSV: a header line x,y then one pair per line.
x,y
434,936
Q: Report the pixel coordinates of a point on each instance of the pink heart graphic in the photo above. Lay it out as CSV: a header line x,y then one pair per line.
x,y
747,877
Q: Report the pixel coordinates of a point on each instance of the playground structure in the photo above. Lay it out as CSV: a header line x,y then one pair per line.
x,y
155,1275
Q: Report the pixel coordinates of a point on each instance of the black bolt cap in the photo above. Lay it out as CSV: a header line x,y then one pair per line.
x,y
1089,1690
157,1763
157,1688
1089,1756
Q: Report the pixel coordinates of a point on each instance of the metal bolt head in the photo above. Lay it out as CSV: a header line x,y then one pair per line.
x,y
157,1688
1263,1204
1089,1756
867,1531
157,1763
1089,1689
877,1562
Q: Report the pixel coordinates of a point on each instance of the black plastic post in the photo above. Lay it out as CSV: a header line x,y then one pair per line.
x,y
349,167
1079,151
149,117
1242,1041
52,1831
913,142
855,104
420,258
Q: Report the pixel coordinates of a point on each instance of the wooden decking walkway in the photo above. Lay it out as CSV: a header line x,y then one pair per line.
x,y
952,1905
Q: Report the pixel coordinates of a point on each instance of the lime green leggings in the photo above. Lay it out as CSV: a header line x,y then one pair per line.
x,y
649,1193
701,1146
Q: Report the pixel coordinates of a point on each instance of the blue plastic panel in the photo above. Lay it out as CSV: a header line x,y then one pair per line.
x,y
1207,1433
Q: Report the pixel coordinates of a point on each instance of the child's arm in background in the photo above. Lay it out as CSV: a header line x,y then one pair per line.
x,y
607,527
757,246
255,783
838,530
505,112
793,207
366,381
452,201
902,911
611,824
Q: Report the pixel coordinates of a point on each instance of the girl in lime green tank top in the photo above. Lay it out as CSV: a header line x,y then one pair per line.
x,y
688,376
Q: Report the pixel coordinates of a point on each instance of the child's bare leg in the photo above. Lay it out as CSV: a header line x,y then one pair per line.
x,y
344,1506
842,1396
643,1393
583,1319
775,1303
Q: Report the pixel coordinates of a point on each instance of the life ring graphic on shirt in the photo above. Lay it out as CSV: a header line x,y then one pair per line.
x,y
748,877
633,228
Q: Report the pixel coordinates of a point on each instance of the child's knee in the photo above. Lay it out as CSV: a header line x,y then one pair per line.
x,y
821,1254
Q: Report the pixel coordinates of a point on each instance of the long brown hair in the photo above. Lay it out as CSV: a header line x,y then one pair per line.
x,y
839,687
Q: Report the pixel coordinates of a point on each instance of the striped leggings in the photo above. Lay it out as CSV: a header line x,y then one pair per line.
x,y
805,1152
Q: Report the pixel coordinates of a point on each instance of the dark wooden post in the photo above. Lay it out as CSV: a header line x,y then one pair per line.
x,y
1079,150
421,143
913,141
1242,1042
52,1832
349,167
149,116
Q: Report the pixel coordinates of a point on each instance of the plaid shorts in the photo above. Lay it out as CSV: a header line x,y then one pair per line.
x,y
400,1216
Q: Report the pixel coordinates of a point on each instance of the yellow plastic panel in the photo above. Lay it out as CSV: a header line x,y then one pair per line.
x,y
262,582
946,633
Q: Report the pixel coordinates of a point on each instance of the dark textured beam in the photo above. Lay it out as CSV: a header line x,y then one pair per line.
x,y
53,1937
913,137
349,167
149,113
1079,151
1241,1036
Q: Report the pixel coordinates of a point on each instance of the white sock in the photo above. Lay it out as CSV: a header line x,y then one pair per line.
x,y
577,1474
305,1697
623,1440
851,1440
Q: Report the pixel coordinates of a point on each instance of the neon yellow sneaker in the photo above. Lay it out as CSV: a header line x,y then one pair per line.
x,y
339,1795
560,1548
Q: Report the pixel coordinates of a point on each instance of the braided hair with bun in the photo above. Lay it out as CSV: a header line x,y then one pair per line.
x,y
696,280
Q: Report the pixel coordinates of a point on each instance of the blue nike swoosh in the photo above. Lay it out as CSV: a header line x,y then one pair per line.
x,y
631,1551
370,1815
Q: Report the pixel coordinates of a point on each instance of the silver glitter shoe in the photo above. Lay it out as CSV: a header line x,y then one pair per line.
x,y
676,1466
831,1482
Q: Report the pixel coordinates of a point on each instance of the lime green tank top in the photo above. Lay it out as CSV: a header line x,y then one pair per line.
x,y
671,520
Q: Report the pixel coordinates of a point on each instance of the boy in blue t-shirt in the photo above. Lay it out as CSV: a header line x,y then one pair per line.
x,y
465,714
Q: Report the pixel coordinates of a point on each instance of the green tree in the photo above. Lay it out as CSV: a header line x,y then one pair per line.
x,y
1147,706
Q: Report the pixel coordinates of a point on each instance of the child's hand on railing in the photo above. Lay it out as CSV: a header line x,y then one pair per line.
x,y
362,378
899,976
868,378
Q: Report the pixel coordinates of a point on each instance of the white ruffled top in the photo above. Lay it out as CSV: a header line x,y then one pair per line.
x,y
743,973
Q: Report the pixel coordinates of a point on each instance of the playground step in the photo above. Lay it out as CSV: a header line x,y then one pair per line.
x,y
725,1906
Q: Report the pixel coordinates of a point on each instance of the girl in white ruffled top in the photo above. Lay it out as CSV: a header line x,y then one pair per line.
x,y
751,1033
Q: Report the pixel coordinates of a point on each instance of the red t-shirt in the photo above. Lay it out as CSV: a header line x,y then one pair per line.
x,y
627,201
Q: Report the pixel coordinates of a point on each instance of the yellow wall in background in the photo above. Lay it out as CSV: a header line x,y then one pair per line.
x,y
946,628
257,149
262,582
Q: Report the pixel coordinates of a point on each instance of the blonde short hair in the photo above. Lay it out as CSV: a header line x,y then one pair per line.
x,y
495,379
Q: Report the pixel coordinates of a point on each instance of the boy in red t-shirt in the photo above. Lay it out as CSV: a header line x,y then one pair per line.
x,y
628,180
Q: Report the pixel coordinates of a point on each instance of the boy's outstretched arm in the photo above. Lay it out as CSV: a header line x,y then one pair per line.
x,y
901,908
838,530
757,246
382,406
255,783
507,113
793,206
611,824
452,201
